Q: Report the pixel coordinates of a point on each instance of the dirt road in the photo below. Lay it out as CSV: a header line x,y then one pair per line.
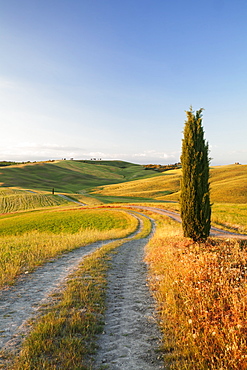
x,y
131,336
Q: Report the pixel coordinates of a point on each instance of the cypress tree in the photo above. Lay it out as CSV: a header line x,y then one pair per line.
x,y
195,197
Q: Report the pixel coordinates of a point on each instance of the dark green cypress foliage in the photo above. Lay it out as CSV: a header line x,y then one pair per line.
x,y
195,197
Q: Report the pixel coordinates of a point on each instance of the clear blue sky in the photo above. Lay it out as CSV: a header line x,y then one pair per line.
x,y
112,79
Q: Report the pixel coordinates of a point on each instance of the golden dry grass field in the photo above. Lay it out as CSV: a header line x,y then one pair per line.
x,y
228,185
201,292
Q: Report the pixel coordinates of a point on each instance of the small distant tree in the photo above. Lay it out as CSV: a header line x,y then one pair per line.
x,y
195,197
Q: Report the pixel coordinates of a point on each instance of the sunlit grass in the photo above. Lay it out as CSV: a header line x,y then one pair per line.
x,y
201,290
155,188
62,221
231,217
24,251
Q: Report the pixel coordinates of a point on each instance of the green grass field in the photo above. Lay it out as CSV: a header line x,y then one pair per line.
x,y
61,221
230,216
28,239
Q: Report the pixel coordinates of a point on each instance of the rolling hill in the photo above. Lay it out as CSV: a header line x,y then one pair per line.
x,y
70,176
228,185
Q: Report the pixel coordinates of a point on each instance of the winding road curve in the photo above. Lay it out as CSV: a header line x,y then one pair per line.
x,y
215,232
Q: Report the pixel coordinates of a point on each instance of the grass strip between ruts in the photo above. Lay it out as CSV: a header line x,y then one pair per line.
x,y
64,336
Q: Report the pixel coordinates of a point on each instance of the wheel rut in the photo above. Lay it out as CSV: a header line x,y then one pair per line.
x,y
131,337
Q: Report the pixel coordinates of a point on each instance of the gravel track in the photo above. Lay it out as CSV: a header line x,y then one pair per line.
x,y
131,336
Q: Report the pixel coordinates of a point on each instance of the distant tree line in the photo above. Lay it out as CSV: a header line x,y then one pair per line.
x,y
8,163
13,163
162,168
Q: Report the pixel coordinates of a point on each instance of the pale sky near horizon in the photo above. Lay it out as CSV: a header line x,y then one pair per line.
x,y
112,79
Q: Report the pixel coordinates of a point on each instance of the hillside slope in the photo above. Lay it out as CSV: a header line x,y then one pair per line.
x,y
70,176
228,185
